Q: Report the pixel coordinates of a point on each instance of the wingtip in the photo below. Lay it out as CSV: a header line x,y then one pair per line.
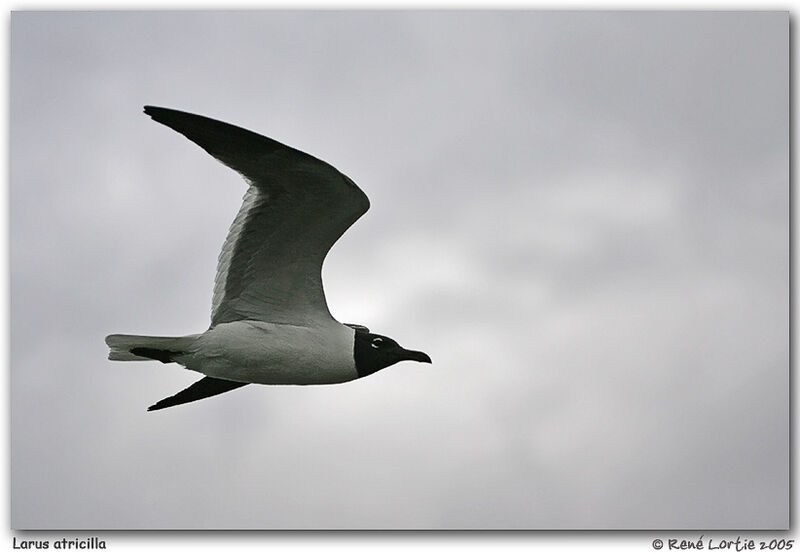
x,y
153,111
174,119
160,405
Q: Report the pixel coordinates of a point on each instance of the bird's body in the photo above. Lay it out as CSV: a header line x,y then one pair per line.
x,y
270,322
264,353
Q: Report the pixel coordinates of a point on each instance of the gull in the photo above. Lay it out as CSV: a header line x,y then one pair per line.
x,y
270,322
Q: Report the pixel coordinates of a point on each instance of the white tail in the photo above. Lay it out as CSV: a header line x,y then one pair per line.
x,y
121,345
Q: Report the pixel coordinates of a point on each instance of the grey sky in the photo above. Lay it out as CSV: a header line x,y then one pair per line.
x,y
581,217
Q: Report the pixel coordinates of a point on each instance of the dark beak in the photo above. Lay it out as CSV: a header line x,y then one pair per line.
x,y
416,356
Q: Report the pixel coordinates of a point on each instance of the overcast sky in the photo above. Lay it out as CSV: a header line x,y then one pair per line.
x,y
581,217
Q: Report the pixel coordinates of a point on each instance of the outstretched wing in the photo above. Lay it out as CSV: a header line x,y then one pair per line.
x,y
297,206
205,387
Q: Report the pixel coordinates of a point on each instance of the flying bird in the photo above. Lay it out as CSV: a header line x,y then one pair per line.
x,y
270,323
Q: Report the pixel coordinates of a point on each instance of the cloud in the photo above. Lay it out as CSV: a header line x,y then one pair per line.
x,y
582,219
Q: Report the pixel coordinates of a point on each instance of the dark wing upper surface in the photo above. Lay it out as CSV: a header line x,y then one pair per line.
x,y
204,388
296,208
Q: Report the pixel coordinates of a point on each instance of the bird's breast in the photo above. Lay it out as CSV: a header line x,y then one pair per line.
x,y
276,354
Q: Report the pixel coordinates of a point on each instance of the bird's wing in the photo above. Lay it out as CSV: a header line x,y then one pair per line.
x,y
205,387
297,206
358,327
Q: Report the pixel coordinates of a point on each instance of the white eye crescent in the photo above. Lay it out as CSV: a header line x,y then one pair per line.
x,y
377,342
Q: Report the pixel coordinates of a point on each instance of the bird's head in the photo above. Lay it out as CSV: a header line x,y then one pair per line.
x,y
373,352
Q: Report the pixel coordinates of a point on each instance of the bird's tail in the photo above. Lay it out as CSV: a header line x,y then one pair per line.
x,y
133,348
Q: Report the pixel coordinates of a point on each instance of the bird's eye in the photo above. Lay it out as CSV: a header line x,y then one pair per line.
x,y
377,342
